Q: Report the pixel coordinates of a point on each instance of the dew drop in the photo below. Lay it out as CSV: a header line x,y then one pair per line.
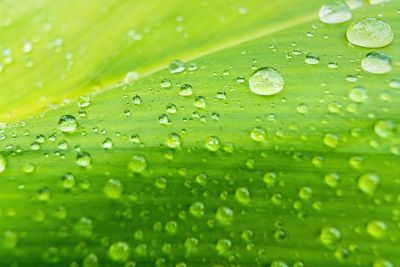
x,y
331,140
335,12
377,63
258,134
67,123
266,81
368,183
358,94
113,189
242,195
312,59
330,235
3,163
138,163
119,251
173,140
83,159
224,215
212,143
197,209
385,128
186,90
176,66
376,229
370,33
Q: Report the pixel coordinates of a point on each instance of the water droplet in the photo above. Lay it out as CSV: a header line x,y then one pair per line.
x,y
302,108
377,2
330,235
197,209
212,143
186,90
370,33
84,101
200,102
173,140
385,128
224,215
176,66
358,94
68,181
382,263
305,193
171,227
138,163
332,179
113,188
258,134
376,229
67,123
223,246
3,163
242,195
166,83
269,179
331,140
278,263
377,63
119,251
107,143
266,81
368,183
354,4
83,159
312,59
335,12
395,83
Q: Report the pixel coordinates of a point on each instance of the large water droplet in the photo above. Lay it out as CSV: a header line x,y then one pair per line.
x,y
266,81
370,33
377,63
335,12
67,123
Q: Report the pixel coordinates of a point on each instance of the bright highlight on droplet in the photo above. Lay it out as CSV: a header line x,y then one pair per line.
x,y
370,33
335,12
266,81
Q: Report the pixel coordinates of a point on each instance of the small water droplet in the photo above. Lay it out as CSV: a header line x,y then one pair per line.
x,y
370,33
186,90
335,12
119,251
358,94
3,163
113,189
173,140
212,143
266,81
258,134
138,163
312,59
385,128
331,140
176,66
368,183
330,235
376,229
377,63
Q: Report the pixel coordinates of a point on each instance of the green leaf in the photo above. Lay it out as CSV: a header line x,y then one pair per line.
x,y
223,177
